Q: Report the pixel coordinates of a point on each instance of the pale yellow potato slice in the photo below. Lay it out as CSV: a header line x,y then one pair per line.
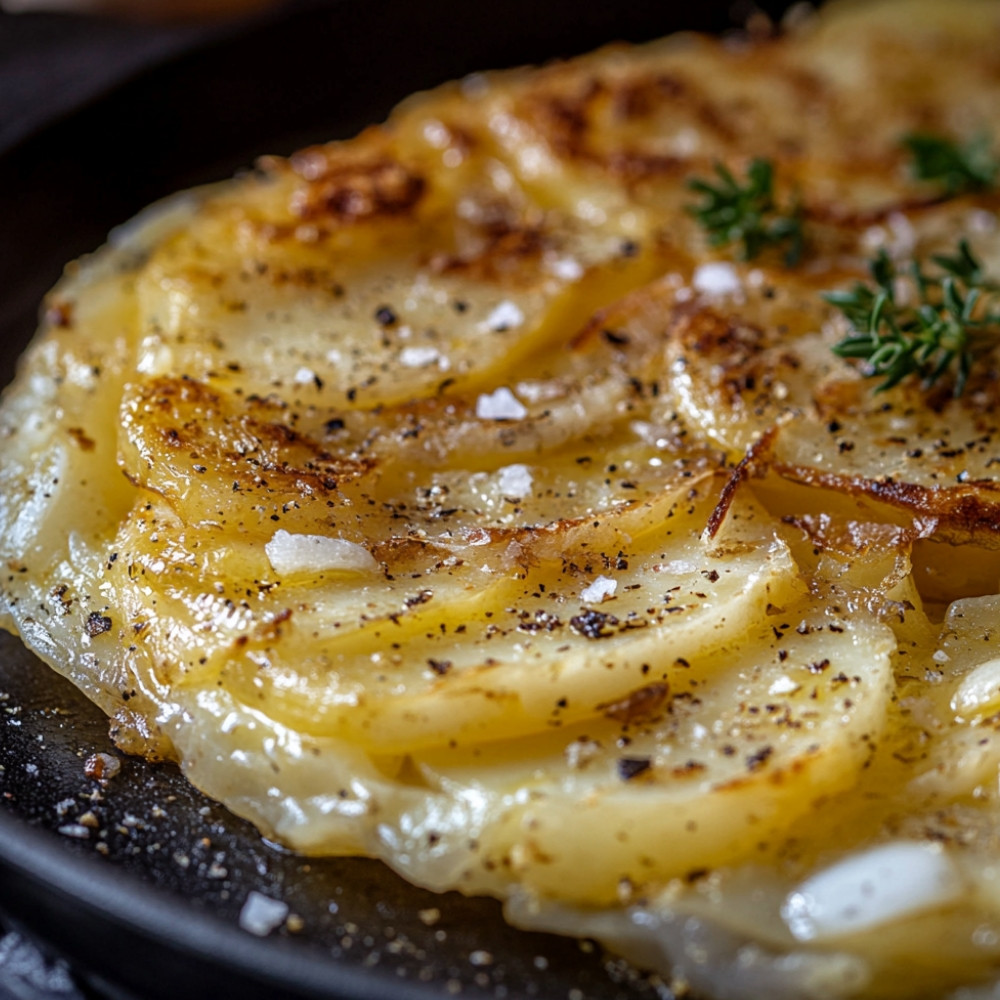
x,y
491,639
711,767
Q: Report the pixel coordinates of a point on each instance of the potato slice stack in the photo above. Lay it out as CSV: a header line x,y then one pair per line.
x,y
446,496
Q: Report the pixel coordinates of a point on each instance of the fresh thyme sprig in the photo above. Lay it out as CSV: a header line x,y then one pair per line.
x,y
959,168
747,213
955,317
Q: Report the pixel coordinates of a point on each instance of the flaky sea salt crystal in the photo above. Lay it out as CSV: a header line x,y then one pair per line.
x,y
417,357
515,480
784,685
290,553
566,268
597,591
506,315
717,278
501,404
261,914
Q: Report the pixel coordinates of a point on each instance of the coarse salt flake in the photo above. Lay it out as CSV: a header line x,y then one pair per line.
x,y
304,376
261,914
75,830
290,553
417,357
501,404
784,685
506,315
566,268
717,278
515,480
600,589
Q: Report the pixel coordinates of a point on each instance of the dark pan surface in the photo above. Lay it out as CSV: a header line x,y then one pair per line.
x,y
178,868
146,904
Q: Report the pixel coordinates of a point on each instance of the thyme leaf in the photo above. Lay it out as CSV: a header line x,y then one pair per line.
x,y
746,213
959,168
954,316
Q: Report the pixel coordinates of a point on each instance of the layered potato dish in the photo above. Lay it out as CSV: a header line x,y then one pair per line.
x,y
582,489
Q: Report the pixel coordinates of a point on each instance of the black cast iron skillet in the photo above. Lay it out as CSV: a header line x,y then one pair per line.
x,y
149,908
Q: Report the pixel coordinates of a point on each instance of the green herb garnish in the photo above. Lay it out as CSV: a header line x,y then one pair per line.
x,y
955,315
959,168
747,213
